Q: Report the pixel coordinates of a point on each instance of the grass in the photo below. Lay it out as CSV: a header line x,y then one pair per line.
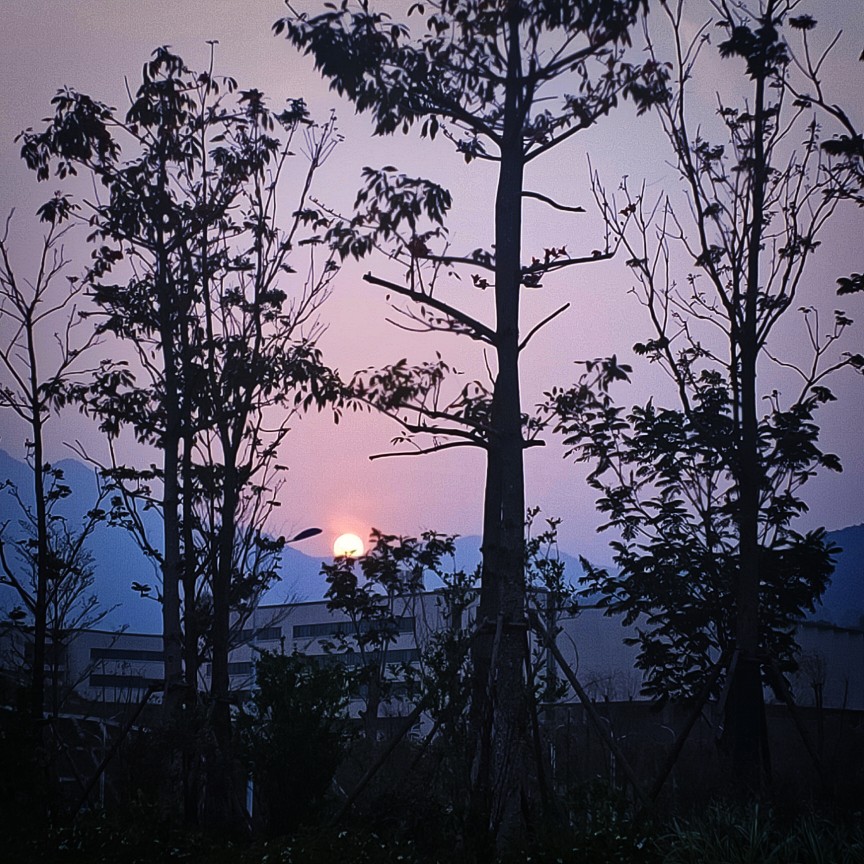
x,y
599,834
724,834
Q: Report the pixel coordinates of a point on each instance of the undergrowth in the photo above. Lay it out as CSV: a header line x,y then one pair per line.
x,y
598,830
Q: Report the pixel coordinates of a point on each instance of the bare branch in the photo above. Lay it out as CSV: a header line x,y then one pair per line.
x,y
481,331
537,327
546,200
422,451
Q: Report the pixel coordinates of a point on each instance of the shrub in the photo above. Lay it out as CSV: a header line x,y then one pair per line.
x,y
293,733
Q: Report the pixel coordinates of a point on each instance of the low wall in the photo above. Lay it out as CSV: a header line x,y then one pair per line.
x,y
645,733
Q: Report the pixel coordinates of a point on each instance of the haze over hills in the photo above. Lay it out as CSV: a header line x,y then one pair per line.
x,y
119,562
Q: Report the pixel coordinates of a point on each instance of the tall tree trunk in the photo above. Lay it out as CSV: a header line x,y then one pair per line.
x,y
172,636
220,805
40,612
745,723
500,728
191,751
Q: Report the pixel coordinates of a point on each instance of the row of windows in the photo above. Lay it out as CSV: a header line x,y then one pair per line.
x,y
135,682
99,679
264,634
126,654
404,624
330,628
354,658
350,659
261,634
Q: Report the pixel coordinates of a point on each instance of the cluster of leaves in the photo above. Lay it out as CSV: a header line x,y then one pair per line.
x,y
600,830
378,599
294,733
724,833
400,216
204,173
380,593
413,396
672,480
391,202
665,478
191,266
445,670
456,69
451,79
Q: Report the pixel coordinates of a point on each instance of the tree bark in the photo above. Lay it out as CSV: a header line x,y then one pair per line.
x,y
191,750
221,809
40,612
502,789
172,637
745,724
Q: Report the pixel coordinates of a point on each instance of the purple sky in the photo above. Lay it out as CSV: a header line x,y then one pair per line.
x,y
92,44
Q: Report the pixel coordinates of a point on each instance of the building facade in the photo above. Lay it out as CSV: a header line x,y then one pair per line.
x,y
106,670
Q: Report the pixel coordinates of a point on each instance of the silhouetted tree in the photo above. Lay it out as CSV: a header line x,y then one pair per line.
x,y
50,574
71,603
226,352
379,600
704,494
507,82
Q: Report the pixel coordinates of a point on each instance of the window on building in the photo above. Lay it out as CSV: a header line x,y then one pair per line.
x,y
404,624
129,654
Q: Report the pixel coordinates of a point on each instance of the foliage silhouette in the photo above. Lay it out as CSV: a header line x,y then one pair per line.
x,y
505,82
704,493
293,735
50,569
224,345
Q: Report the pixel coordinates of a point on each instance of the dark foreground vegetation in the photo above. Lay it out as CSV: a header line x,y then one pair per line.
x,y
192,272
308,761
719,833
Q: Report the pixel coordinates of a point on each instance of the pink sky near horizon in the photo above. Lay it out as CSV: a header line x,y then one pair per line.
x,y
92,44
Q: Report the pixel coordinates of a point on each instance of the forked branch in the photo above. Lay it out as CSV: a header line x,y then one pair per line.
x,y
481,332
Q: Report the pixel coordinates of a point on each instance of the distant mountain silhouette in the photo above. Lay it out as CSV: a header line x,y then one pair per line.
x,y
842,603
119,562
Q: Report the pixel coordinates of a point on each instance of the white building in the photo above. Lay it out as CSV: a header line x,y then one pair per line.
x,y
105,669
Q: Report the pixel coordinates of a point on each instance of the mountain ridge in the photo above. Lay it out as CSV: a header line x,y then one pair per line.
x,y
115,552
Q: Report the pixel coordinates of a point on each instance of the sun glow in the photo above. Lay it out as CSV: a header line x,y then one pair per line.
x,y
348,546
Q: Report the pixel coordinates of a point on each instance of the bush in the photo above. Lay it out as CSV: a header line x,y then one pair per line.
x,y
294,735
24,788
753,835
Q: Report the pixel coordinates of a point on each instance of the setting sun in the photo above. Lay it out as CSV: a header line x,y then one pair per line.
x,y
348,546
